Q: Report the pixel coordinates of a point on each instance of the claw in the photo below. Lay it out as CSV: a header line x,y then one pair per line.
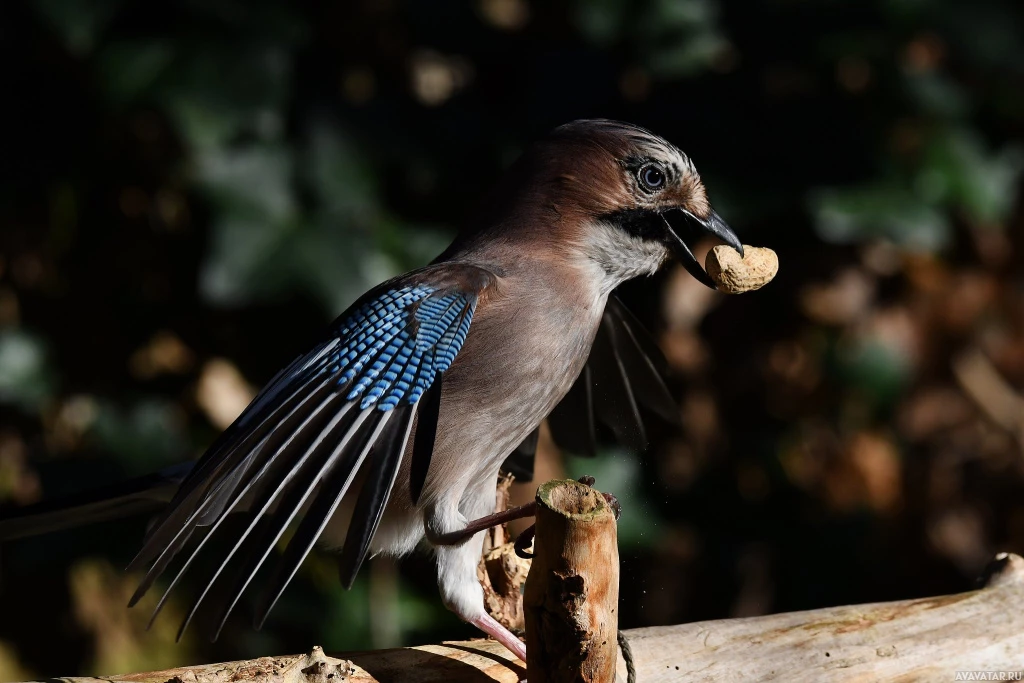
x,y
524,540
612,501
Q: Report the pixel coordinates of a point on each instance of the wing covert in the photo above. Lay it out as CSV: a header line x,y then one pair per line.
x,y
393,345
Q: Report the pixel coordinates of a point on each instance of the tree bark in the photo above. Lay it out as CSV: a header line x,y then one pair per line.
x,y
572,591
928,639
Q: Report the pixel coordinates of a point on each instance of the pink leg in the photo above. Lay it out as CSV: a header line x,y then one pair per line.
x,y
486,623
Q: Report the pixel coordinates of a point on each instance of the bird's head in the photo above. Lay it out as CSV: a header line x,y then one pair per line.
x,y
618,197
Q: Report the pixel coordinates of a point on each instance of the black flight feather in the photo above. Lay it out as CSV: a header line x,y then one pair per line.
x,y
381,472
572,422
642,373
340,452
332,489
426,432
260,417
202,485
315,441
269,450
641,336
624,372
278,460
616,406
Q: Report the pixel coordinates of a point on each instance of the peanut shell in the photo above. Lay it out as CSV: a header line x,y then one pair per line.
x,y
735,274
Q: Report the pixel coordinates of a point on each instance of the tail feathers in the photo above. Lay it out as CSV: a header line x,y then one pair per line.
x,y
143,495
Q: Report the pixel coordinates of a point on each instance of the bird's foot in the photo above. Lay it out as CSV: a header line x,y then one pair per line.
x,y
612,501
525,539
489,625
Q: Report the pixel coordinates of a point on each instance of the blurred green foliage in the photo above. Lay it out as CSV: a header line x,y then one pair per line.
x,y
191,190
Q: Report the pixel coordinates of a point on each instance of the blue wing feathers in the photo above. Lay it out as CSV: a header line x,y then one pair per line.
x,y
393,345
383,355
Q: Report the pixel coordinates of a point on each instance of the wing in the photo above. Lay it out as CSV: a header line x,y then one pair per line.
x,y
620,382
345,407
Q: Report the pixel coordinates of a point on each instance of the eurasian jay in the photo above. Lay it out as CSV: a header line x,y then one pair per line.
x,y
391,431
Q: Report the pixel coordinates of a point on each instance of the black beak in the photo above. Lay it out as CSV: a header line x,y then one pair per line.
x,y
682,224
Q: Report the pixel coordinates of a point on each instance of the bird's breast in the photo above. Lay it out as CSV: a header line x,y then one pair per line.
x,y
521,357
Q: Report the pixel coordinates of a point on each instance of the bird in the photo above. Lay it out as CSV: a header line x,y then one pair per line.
x,y
389,433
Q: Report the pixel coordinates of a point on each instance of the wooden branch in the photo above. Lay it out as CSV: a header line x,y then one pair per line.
x,y
929,639
470,661
572,591
912,640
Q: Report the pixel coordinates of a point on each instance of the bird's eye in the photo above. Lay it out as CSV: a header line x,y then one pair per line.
x,y
651,177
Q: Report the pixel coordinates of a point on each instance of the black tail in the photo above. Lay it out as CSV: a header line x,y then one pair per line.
x,y
143,495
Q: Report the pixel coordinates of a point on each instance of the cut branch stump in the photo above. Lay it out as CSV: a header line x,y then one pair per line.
x,y
572,591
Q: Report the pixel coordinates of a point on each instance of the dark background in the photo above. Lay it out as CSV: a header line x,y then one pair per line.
x,y
190,191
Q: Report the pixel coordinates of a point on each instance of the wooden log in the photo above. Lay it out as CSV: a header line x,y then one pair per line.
x,y
572,591
471,661
929,639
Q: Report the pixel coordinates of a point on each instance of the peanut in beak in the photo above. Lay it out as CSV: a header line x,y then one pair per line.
x,y
734,274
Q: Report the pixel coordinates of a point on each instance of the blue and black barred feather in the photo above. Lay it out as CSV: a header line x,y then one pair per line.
x,y
346,406
396,343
